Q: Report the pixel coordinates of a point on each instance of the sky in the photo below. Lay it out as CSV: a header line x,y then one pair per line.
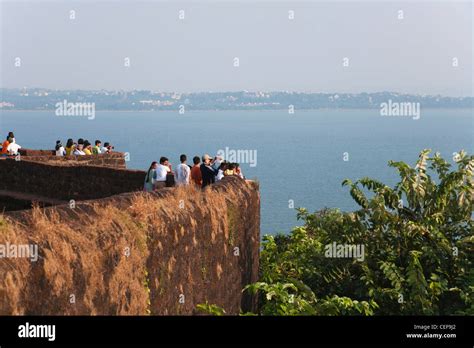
x,y
329,46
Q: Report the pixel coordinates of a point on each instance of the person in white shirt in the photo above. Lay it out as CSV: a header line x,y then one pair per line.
x,y
78,151
162,171
107,148
13,148
220,172
60,151
183,172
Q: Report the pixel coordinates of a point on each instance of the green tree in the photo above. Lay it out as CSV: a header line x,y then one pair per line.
x,y
418,249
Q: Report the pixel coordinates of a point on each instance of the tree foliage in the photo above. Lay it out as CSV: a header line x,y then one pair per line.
x,y
418,244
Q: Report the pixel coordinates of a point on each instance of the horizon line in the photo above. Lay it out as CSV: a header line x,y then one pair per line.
x,y
233,91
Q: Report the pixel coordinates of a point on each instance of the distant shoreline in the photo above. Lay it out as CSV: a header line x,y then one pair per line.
x,y
148,101
242,110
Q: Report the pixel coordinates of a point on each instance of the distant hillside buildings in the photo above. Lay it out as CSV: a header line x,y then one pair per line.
x,y
140,100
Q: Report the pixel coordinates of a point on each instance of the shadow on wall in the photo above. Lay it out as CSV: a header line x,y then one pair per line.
x,y
136,253
66,182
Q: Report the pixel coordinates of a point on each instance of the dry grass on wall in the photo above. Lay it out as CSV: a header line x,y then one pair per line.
x,y
134,254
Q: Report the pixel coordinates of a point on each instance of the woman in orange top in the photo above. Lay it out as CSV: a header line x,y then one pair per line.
x,y
5,147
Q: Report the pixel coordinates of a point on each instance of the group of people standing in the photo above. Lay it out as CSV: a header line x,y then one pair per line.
x,y
82,148
159,174
200,174
9,146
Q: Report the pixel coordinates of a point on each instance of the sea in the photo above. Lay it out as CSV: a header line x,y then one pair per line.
x,y
300,159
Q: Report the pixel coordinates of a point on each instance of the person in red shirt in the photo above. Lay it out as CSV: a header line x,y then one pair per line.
x,y
196,176
5,146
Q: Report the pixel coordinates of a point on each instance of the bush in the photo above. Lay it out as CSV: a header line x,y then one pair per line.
x,y
416,242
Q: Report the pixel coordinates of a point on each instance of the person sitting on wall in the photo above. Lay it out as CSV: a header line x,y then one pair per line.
x,y
196,171
230,169
104,149
238,171
87,147
208,173
220,172
13,147
80,142
5,146
78,150
107,148
183,173
10,139
11,135
60,151
162,171
150,178
69,147
96,149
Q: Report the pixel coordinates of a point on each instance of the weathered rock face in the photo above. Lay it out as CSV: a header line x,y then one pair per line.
x,y
130,253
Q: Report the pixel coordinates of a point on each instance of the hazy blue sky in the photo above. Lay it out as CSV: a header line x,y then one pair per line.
x,y
413,55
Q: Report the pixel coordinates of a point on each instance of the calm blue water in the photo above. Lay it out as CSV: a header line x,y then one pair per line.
x,y
299,157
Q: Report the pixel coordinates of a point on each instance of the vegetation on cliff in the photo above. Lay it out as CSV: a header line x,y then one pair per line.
x,y
136,253
417,248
